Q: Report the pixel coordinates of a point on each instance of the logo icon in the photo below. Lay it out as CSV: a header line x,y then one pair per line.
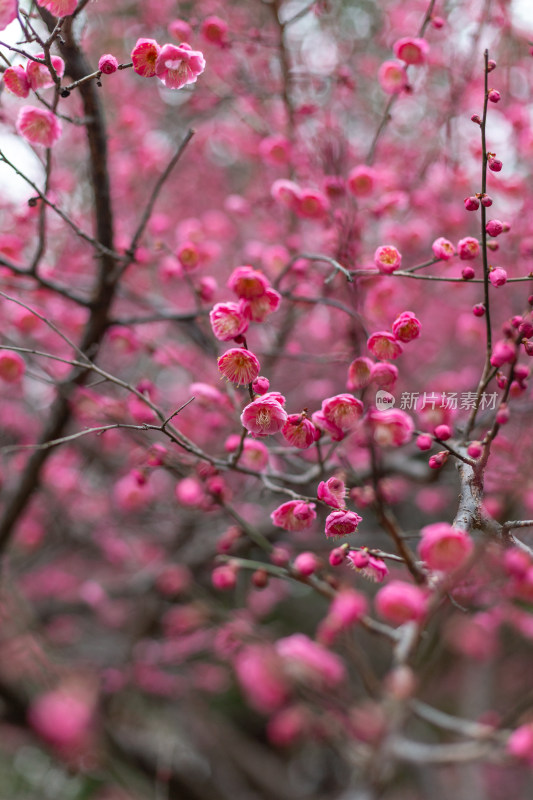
x,y
384,400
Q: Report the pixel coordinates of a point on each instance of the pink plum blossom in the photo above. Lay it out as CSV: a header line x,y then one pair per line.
x,y
294,515
179,65
411,50
390,428
468,248
443,547
371,567
498,276
262,677
12,367
16,81
214,30
443,249
392,77
144,56
299,431
62,717
38,126
400,602
229,320
342,410
310,662
406,327
264,416
362,180
259,308
8,12
359,373
384,345
239,365
332,492
39,75
248,283
342,523
59,8
107,64
387,259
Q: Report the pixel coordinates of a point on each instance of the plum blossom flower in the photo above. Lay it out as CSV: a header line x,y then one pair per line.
x,y
248,283
400,602
406,327
342,523
16,81
387,259
332,492
362,180
443,249
384,345
239,365
229,320
179,65
468,248
342,410
392,77
443,547
261,676
371,567
411,50
12,367
8,12
359,373
59,8
498,276
310,662
62,717
144,56
108,64
214,30
264,416
294,515
260,307
39,75
390,428
299,431
38,126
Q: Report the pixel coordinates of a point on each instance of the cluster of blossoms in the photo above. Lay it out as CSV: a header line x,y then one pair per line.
x,y
257,299
392,74
19,80
384,345
174,65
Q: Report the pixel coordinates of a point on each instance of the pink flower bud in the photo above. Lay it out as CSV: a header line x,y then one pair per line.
x,y
342,523
295,515
306,563
362,181
299,431
468,273
495,165
424,441
438,460
336,556
503,353
359,373
503,414
494,96
443,432
399,602
475,449
494,227
486,201
332,492
498,276
471,203
478,310
280,556
443,547
224,577
468,248
108,64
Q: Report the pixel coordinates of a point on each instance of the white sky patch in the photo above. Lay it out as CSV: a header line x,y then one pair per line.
x,y
522,12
